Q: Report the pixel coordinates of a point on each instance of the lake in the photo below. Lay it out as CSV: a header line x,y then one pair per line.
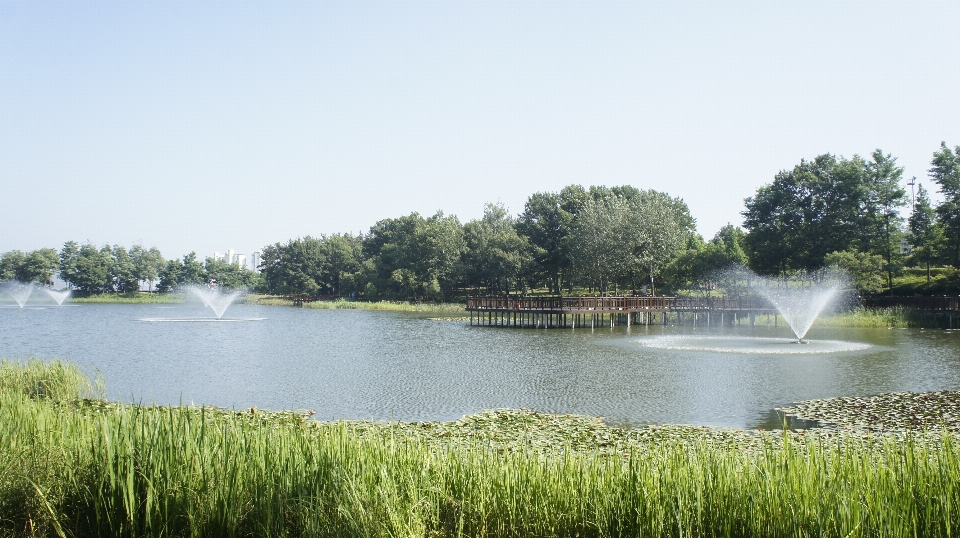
x,y
353,364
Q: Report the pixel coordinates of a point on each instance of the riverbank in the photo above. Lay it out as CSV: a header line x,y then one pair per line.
x,y
72,465
438,309
887,318
129,298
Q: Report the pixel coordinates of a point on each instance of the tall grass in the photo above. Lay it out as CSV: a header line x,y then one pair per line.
x,y
130,298
110,470
390,306
894,317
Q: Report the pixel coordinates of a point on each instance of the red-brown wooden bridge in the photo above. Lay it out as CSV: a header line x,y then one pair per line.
x,y
546,312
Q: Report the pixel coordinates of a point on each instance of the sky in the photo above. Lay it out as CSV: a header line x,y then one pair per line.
x,y
206,126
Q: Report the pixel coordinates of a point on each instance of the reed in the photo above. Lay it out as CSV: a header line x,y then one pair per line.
x,y
82,468
388,306
895,317
129,298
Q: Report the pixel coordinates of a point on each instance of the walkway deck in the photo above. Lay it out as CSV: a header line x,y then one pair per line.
x,y
599,311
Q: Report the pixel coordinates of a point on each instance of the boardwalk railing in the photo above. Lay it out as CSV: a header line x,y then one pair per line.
x,y
615,304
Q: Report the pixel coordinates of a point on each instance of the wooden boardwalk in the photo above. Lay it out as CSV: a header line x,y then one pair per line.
x,y
547,312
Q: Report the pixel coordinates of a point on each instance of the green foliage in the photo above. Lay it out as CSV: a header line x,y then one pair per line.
x,y
182,272
230,275
823,206
314,266
866,270
123,271
926,233
147,264
94,468
412,258
496,256
130,298
37,266
700,264
54,380
545,223
626,237
945,172
86,268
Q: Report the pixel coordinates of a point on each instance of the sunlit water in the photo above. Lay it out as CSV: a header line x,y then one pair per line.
x,y
376,365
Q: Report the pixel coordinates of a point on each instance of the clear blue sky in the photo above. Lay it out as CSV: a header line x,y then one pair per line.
x,y
212,125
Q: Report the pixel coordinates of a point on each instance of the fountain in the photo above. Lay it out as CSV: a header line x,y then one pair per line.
x,y
57,295
799,306
215,299
799,302
20,291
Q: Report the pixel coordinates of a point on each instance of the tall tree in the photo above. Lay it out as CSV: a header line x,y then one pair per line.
x,y
884,197
86,267
123,271
496,255
823,206
545,223
945,172
147,264
39,266
600,242
10,264
411,257
926,235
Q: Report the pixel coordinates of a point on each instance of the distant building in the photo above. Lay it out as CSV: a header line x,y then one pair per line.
x,y
255,261
229,257
905,247
217,256
241,260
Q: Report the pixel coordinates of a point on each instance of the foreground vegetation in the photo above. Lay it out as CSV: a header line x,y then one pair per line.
x,y
71,466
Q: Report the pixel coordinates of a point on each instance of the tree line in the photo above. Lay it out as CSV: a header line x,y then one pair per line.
x,y
846,212
829,211
114,269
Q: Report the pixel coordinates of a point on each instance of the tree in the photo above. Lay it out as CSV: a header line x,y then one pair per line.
x,y
926,234
496,255
182,272
411,257
864,268
884,196
545,223
823,206
945,172
600,243
229,275
123,274
296,267
661,226
86,267
344,252
39,266
147,264
701,264
10,264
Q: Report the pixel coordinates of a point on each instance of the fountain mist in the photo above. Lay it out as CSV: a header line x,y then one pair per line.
x,y
57,295
20,291
217,300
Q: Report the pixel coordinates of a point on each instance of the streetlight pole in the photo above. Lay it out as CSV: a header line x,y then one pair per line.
x,y
913,198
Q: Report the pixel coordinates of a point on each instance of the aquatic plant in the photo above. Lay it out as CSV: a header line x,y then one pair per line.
x,y
82,468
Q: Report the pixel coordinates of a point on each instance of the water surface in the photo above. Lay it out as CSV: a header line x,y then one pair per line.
x,y
356,364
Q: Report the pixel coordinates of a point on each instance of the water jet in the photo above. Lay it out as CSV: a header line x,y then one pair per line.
x,y
20,291
215,299
57,295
